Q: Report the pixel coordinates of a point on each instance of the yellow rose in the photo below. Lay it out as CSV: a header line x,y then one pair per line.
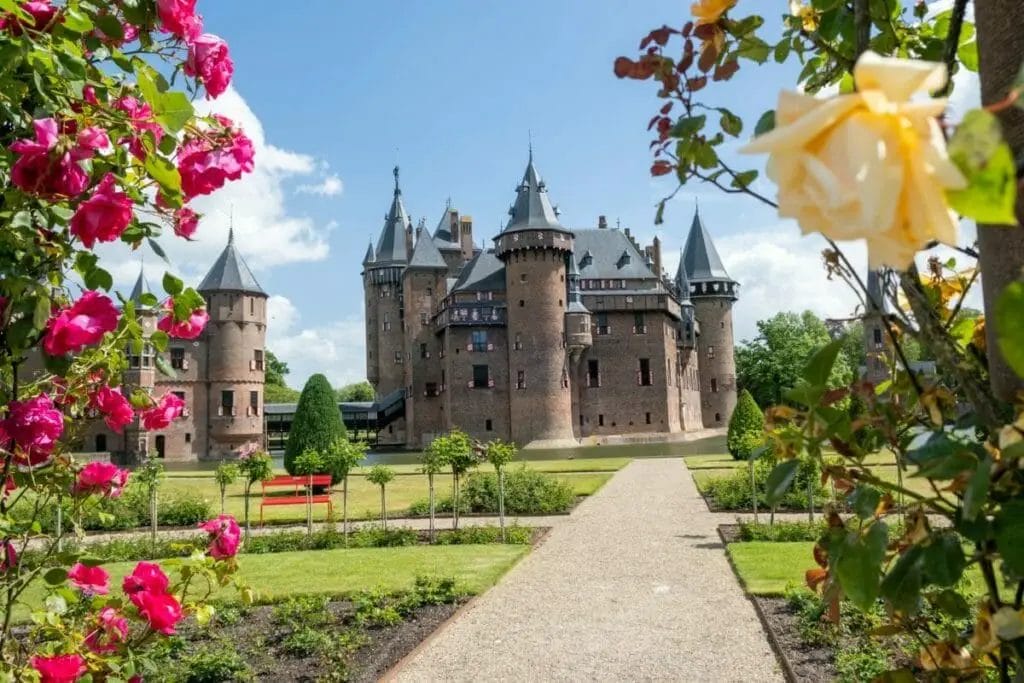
x,y
710,11
805,13
869,165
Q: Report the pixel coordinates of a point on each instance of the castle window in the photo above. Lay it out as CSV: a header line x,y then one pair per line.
x,y
423,319
254,402
560,303
718,417
518,344
257,359
711,352
722,324
252,306
430,389
179,394
622,284
430,291
481,376
521,303
488,425
178,358
480,340
227,403
601,324
648,416
520,379
443,379
398,357
565,379
522,277
639,327
593,373
188,437
878,337
600,420
643,377
386,325
714,385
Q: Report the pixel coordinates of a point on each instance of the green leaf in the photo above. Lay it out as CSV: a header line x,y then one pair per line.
x,y
111,27
148,299
159,340
977,489
77,21
97,278
158,250
730,123
766,123
164,367
982,155
902,585
864,501
687,126
164,173
173,285
41,312
819,367
968,55
858,566
944,560
55,576
744,179
952,603
754,49
1009,321
782,51
1009,535
173,111
779,480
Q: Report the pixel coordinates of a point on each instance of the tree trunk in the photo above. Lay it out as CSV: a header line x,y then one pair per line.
x,y
153,514
455,501
383,509
247,488
753,489
223,493
344,508
501,503
1000,46
430,489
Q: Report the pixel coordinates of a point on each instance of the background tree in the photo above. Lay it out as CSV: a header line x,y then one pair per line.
x,y
317,423
499,453
381,475
255,466
341,458
746,428
460,457
433,459
356,392
150,475
225,475
308,463
276,389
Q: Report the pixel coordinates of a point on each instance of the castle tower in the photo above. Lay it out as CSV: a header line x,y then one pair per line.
x,y
688,369
235,359
877,349
712,292
577,317
141,372
533,247
385,310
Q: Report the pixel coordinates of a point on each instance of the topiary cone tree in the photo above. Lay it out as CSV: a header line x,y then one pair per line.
x,y
746,427
317,423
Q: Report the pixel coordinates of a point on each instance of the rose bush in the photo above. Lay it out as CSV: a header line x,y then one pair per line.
x,y
97,148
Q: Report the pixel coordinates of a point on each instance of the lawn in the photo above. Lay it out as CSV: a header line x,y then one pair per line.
x,y
767,568
364,497
344,571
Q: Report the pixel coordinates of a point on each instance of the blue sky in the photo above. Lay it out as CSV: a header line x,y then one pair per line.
x,y
335,92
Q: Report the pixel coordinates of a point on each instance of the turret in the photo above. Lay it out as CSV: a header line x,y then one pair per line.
x,y
382,283
688,327
533,247
235,356
877,350
141,371
577,317
712,293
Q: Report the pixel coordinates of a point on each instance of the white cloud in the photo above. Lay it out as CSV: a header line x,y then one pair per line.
x,y
337,349
331,186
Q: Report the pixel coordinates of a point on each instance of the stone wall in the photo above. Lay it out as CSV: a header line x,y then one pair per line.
x,y
716,360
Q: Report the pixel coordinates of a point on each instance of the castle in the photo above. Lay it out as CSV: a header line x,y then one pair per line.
x,y
552,336
220,375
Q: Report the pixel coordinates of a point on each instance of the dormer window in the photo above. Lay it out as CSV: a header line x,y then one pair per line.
x,y
623,259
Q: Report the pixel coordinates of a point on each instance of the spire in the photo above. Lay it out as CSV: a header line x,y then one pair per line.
x,y
426,254
683,282
141,287
398,190
701,259
368,259
230,273
391,244
573,295
532,209
447,235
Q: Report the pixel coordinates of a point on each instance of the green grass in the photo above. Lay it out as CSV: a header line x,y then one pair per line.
x,y
767,568
344,571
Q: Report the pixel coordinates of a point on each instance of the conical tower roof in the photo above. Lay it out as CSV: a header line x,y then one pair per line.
x,y
574,297
391,245
426,254
532,209
700,258
683,282
444,236
141,287
368,259
230,273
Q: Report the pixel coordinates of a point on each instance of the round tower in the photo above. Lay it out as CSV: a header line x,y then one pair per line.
x,y
235,357
533,247
140,373
712,292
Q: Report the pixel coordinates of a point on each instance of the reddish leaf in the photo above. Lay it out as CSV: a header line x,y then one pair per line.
x,y
661,168
664,126
627,68
725,71
658,35
815,577
708,56
834,395
695,84
820,555
705,31
687,29
624,67
667,108
654,120
687,59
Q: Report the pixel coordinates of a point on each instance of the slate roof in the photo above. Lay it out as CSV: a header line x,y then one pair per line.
x,y
485,273
391,245
574,298
426,255
368,259
606,248
700,257
683,283
443,237
230,273
141,287
532,209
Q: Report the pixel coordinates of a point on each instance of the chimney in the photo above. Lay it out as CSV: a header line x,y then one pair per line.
x,y
466,237
602,223
656,248
627,234
408,240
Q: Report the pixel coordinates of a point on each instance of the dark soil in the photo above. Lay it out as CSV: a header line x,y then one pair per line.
x,y
730,533
388,645
808,663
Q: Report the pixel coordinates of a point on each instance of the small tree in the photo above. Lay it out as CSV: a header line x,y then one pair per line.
x,y
255,466
381,475
499,453
308,464
341,458
459,455
225,475
317,423
150,475
746,428
434,459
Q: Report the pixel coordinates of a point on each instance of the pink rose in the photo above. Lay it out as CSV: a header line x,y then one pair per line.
x,y
110,632
185,222
129,32
34,426
59,668
103,216
210,62
168,408
91,580
117,411
8,556
41,14
37,172
205,166
94,138
147,577
186,329
89,95
161,610
141,115
84,323
103,478
225,536
179,17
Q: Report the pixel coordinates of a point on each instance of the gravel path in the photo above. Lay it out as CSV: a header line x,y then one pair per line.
x,y
634,585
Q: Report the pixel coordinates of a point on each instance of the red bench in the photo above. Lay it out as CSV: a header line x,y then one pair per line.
x,y
298,494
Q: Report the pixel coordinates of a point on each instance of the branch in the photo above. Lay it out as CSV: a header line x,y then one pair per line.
x,y
956,24
862,26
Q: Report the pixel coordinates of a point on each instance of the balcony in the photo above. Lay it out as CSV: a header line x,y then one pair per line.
x,y
472,315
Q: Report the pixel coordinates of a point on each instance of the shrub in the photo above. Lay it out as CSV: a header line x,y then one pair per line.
x,y
300,611
781,531
421,507
215,664
746,427
475,535
732,491
434,590
183,510
306,641
378,608
317,423
527,492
